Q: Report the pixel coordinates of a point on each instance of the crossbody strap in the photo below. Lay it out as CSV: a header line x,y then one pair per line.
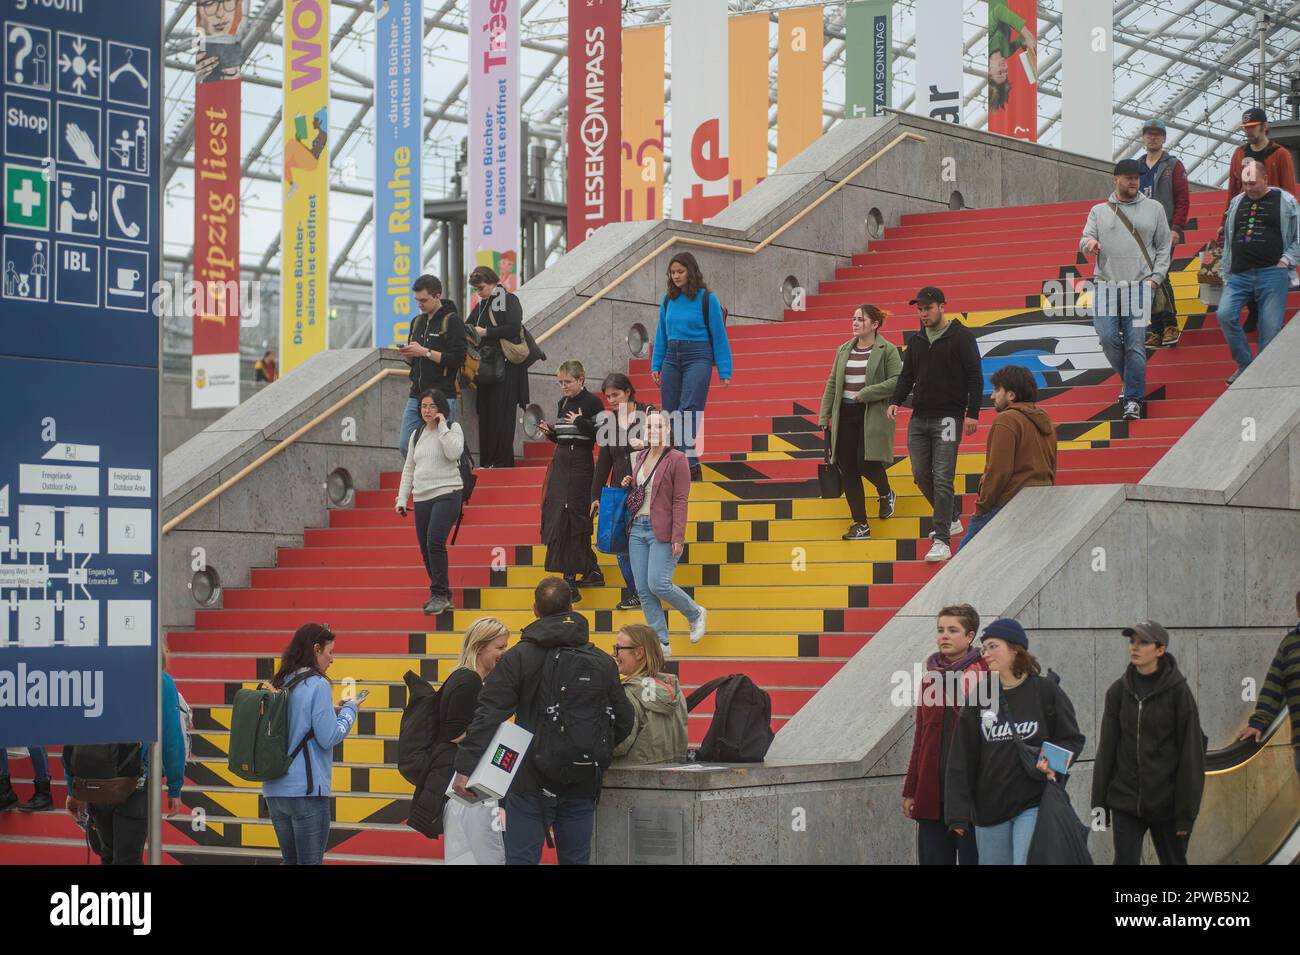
x,y
1133,232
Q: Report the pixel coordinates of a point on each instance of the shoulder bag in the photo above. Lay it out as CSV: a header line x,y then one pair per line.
x,y
1161,302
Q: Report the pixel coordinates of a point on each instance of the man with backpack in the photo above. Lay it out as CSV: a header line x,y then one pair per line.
x,y
567,693
435,350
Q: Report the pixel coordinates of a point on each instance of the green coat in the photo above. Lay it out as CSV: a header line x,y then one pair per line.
x,y
882,374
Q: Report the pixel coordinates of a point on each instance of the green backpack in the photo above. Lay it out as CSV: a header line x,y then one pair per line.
x,y
259,733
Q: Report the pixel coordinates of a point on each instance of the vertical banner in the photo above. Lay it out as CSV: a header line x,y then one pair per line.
x,y
643,124
700,120
869,58
399,208
748,123
798,81
1088,78
304,245
495,152
1013,68
939,60
595,116
214,364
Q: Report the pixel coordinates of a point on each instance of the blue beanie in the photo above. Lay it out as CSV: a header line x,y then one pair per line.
x,y
1007,629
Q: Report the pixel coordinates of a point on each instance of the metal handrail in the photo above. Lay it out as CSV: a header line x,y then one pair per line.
x,y
729,246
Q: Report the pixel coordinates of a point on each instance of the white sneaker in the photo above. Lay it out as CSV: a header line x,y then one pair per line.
x,y
939,551
955,527
697,628
668,650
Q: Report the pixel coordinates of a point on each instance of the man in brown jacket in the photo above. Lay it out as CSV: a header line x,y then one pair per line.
x,y
1022,446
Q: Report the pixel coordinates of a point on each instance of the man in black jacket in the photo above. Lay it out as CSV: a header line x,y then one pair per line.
x,y
515,688
942,373
1150,768
435,351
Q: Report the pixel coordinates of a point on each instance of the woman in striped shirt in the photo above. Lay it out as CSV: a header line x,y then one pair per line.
x,y
854,411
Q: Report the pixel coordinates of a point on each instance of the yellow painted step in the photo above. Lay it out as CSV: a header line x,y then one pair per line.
x,y
381,779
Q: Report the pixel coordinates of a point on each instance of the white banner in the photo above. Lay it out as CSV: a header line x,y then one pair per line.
x,y
1087,78
700,93
939,77
495,150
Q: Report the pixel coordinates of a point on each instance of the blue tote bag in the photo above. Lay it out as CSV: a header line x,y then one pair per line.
x,y
612,522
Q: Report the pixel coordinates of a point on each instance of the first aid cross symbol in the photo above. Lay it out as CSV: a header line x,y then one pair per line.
x,y
28,198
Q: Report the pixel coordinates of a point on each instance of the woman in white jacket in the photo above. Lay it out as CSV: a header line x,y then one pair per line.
x,y
432,478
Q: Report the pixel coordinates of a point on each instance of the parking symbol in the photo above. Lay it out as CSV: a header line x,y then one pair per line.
x,y
27,56
76,274
79,136
77,205
128,211
26,268
26,198
27,126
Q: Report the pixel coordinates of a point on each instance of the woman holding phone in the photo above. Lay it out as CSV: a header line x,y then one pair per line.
x,y
566,510
620,432
497,314
431,476
299,801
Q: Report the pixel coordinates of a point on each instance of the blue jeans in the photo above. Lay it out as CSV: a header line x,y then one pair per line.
x,y
684,387
40,763
411,420
934,467
1007,843
629,578
1123,341
1269,287
977,524
433,522
528,817
653,565
302,827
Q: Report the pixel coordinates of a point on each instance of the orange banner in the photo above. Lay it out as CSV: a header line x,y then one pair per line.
x,y
799,81
643,124
747,122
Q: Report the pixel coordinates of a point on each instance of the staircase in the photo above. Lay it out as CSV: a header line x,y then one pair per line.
x,y
788,600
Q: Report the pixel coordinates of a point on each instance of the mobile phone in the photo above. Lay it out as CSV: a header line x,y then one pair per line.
x,y
360,697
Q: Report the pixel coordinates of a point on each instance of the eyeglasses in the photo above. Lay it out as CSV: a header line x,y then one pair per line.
x,y
211,6
618,647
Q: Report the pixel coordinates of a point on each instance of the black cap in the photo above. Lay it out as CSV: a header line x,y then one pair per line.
x,y
928,296
1253,117
1128,167
1148,631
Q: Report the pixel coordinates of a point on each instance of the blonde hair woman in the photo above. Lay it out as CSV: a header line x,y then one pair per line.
x,y
471,834
659,728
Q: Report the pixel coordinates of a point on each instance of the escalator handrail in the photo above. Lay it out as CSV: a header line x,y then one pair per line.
x,y
1238,753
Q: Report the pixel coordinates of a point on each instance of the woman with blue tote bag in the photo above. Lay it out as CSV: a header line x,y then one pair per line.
x,y
619,432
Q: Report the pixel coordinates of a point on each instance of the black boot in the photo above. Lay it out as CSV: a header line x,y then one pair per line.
x,y
8,798
41,799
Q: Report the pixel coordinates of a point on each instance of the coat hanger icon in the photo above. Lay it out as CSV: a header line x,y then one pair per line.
x,y
128,67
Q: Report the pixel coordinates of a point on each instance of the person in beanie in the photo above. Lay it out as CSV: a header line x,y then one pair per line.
x,y
1281,689
1150,768
989,783
943,376
1129,235
1164,179
951,679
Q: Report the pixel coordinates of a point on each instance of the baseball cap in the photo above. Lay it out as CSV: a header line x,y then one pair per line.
x,y
1253,117
1157,124
928,296
1007,629
1128,167
1148,631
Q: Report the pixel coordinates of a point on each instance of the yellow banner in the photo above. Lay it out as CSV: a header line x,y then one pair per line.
x,y
798,81
304,242
643,124
748,123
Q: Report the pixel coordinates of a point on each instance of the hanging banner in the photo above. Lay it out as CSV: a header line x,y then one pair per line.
x,y
868,58
939,60
214,364
495,152
399,207
1013,68
595,112
1088,78
304,245
798,81
701,185
643,124
748,122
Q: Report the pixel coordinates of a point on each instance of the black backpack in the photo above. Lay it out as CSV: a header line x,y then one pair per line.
x,y
468,480
418,729
574,739
741,731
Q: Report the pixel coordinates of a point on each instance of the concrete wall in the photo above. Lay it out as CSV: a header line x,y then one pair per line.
x,y
180,420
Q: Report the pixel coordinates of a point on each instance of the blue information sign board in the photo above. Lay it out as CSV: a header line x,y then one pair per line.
x,y
80,253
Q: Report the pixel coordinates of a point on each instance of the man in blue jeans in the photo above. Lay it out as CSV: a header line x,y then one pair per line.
x,y
435,356
521,686
41,799
1261,250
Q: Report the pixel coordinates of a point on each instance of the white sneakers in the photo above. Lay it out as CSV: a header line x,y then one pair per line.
x,y
668,650
697,628
939,551
954,528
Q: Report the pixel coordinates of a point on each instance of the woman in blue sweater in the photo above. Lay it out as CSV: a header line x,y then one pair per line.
x,y
299,801
687,348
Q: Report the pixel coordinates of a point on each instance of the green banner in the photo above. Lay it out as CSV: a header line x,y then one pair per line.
x,y
869,57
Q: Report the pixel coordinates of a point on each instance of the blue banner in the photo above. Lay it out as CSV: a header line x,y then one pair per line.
x,y
79,377
399,209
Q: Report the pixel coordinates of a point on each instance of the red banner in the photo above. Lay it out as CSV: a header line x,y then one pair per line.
x,y
595,127
1013,68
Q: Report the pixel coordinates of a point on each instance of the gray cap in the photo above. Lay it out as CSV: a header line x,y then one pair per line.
x,y
1148,631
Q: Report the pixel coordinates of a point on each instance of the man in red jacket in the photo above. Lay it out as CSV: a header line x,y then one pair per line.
x,y
951,679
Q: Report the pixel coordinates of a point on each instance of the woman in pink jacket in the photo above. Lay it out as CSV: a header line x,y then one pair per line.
x,y
660,486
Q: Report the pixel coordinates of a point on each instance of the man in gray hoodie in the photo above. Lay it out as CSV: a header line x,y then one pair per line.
x,y
1132,261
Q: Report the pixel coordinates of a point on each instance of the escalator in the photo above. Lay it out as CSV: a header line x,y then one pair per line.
x,y
1274,838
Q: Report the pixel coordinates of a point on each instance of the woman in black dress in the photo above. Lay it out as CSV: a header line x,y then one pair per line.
x,y
566,500
620,431
497,315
